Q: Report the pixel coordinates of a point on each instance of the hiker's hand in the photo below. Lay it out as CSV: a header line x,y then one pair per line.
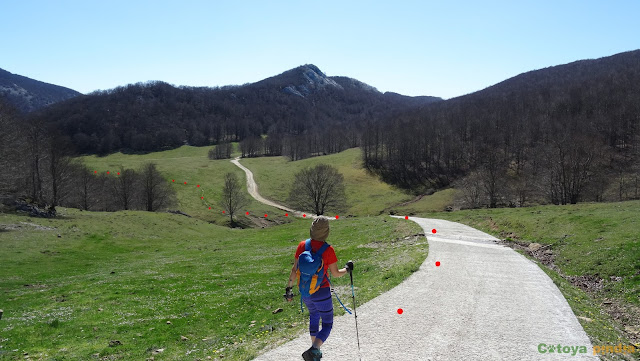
x,y
349,266
288,295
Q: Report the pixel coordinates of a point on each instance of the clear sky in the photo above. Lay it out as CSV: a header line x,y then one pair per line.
x,y
441,48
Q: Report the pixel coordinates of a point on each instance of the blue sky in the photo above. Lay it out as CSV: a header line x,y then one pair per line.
x,y
440,48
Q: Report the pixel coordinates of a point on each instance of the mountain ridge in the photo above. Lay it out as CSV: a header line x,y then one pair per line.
x,y
156,115
28,94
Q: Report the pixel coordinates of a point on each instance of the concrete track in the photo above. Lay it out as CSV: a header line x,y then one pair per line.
x,y
484,302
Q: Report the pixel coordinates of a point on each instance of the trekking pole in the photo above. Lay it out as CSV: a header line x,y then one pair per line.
x,y
355,313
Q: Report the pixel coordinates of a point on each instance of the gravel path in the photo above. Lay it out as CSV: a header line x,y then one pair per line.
x,y
484,302
252,188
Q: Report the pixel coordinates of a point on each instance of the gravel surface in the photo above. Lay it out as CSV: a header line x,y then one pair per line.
x,y
484,302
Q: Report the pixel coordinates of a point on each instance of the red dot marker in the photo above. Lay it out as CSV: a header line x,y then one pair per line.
x,y
118,173
400,311
286,214
247,213
337,217
437,263
209,207
185,182
173,180
304,215
201,197
95,171
433,231
198,186
265,215
107,172
406,217
224,212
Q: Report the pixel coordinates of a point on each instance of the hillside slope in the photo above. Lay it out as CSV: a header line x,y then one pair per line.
x,y
366,194
28,94
561,134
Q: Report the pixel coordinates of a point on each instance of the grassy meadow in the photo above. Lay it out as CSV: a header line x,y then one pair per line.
x,y
366,194
133,285
192,165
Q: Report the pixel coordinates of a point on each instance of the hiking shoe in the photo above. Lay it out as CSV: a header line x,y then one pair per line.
x,y
312,354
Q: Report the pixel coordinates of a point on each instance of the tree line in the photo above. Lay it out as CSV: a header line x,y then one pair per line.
x,y
559,135
37,168
156,116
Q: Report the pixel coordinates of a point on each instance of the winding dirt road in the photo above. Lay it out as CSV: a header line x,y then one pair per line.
x,y
252,188
484,302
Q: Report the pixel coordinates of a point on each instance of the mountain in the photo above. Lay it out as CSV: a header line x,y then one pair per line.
x,y
301,81
156,115
28,95
570,130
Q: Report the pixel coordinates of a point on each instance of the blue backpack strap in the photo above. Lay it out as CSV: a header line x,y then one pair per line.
x,y
338,298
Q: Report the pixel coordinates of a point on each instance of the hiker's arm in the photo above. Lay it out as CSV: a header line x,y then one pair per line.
x,y
335,272
292,275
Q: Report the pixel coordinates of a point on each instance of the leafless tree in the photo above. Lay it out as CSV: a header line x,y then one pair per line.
x,y
273,144
221,151
492,174
156,192
251,147
471,188
35,151
86,184
233,197
10,147
572,159
320,189
124,188
60,170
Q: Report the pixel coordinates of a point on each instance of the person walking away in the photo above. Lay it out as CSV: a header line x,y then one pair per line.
x,y
319,300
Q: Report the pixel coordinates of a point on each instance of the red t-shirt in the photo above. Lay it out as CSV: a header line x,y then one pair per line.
x,y
328,257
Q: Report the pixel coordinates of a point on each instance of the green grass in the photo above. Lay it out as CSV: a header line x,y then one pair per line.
x,y
121,276
601,328
436,202
192,165
366,194
62,301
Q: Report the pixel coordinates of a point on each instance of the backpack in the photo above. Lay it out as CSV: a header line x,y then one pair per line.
x,y
310,269
311,272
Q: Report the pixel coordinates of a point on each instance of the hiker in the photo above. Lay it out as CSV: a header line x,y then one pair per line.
x,y
319,302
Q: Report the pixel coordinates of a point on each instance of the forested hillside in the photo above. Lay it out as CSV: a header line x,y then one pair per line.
x,y
559,135
562,134
156,115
